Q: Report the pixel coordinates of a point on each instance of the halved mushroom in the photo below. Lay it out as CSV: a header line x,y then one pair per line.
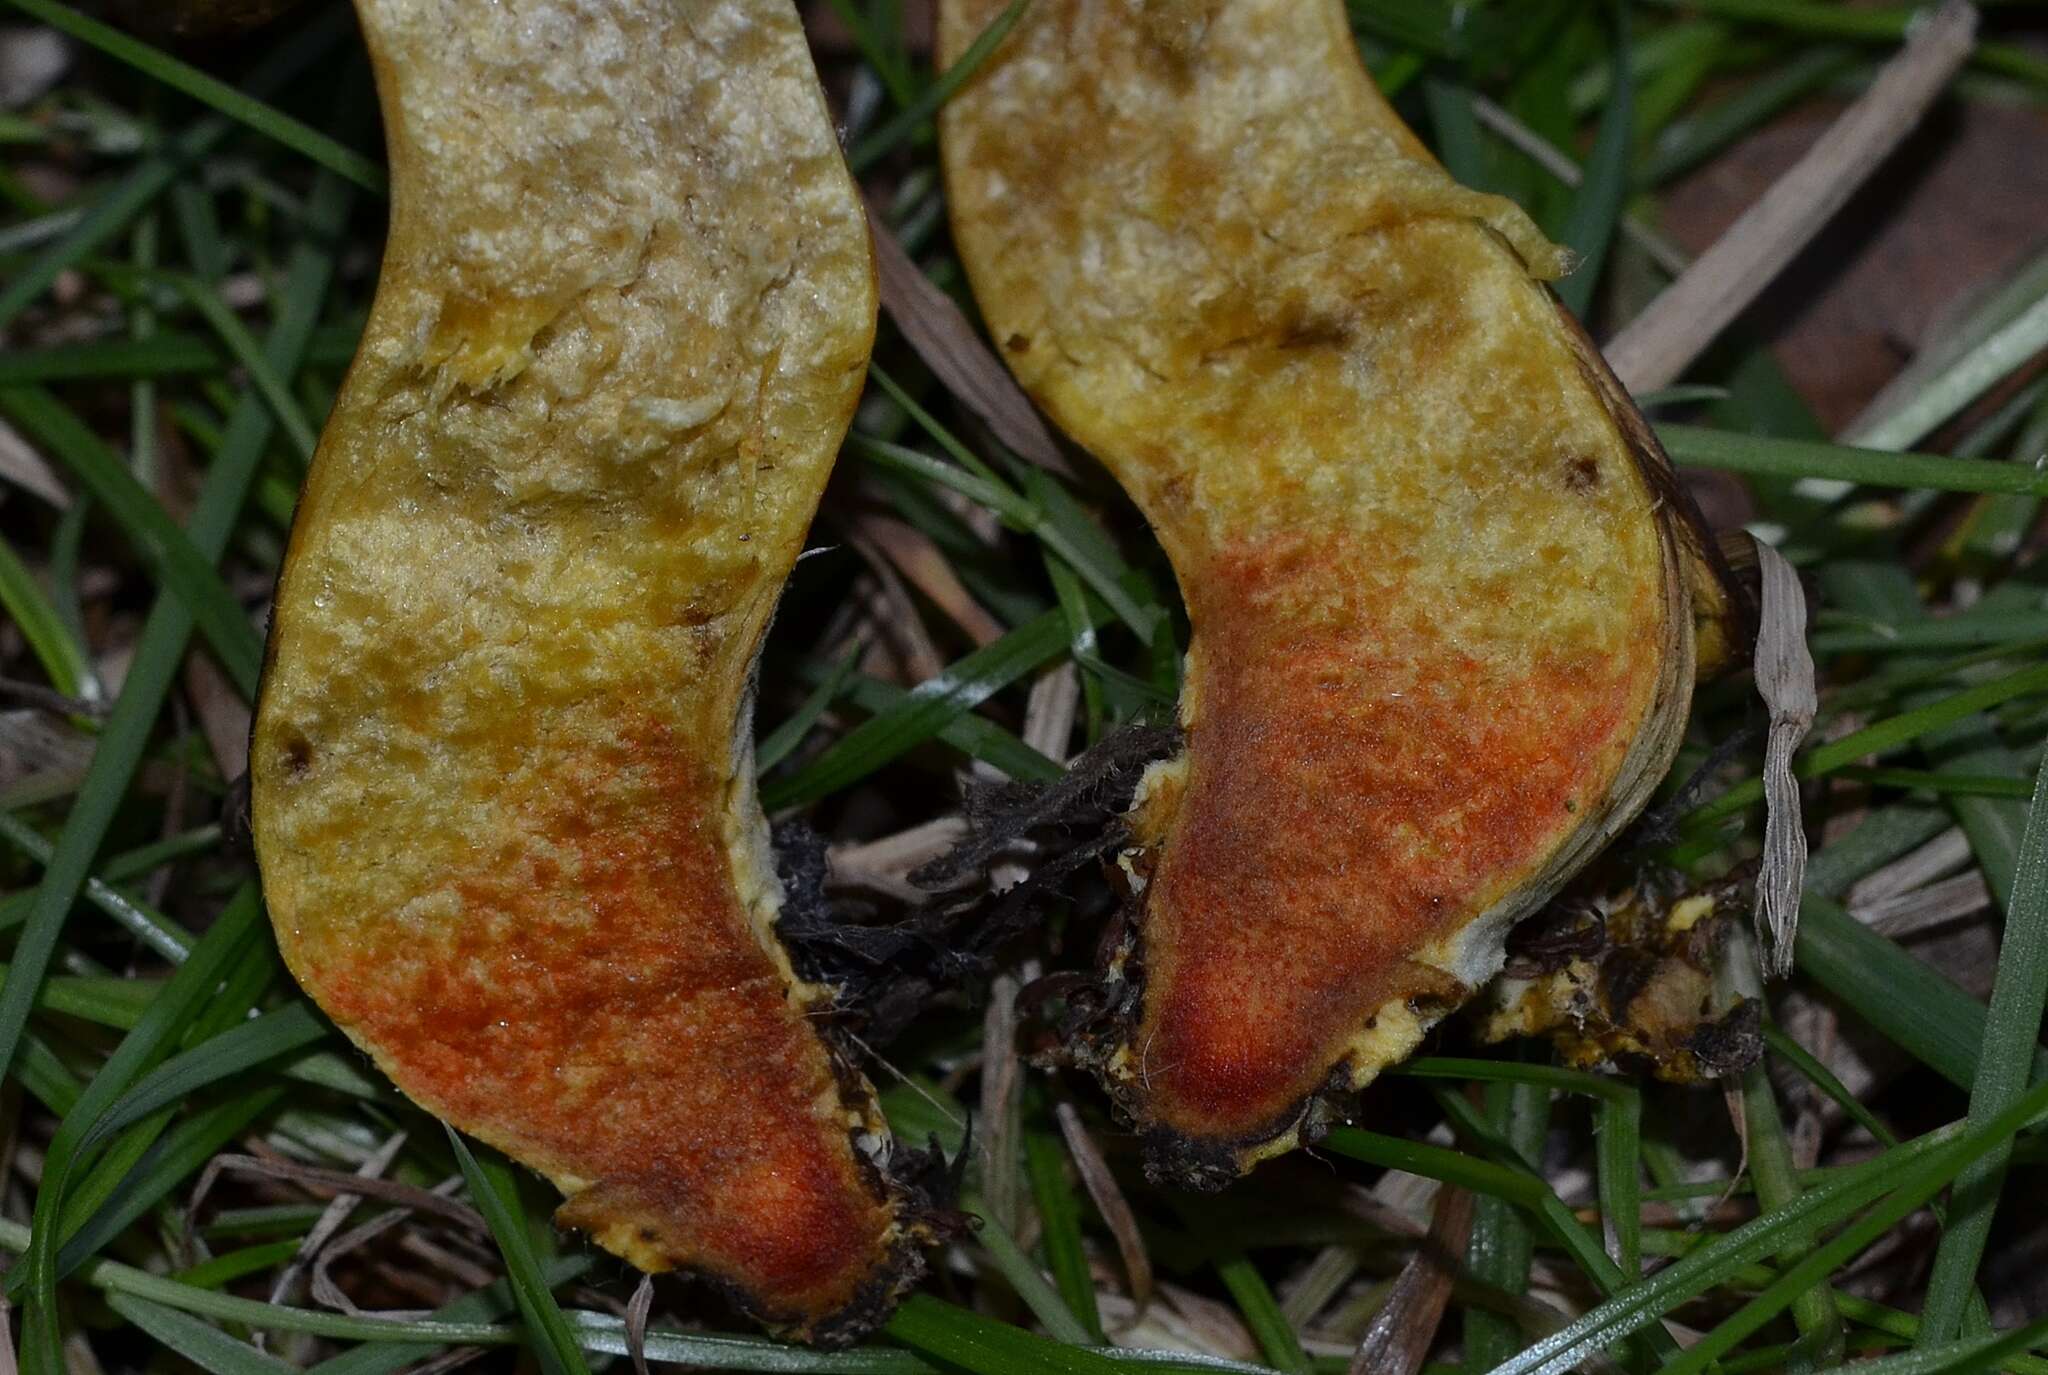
x,y
1443,642
502,770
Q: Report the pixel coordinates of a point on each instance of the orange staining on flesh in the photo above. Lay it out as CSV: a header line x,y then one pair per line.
x,y
503,787
1442,646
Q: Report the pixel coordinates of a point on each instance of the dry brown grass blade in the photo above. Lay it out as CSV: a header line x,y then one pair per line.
x,y
1917,868
942,336
1405,1328
898,627
1945,900
1658,345
323,1287
1110,1203
223,715
332,1218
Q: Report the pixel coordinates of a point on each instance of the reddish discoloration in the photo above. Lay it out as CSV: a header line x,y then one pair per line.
x,y
1355,792
598,1003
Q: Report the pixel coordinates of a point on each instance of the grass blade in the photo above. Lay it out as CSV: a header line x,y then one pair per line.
x,y
237,105
496,1192
1697,447
2012,1033
111,212
161,646
984,1346
1262,1313
189,574
1025,1278
149,1042
1059,1213
1597,208
204,1345
907,121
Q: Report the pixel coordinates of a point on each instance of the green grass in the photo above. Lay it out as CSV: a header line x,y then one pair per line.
x,y
148,1030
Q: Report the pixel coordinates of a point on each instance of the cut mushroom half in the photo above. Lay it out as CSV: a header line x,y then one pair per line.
x,y
1435,564
503,781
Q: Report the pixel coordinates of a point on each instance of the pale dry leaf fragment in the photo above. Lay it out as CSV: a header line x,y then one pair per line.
x,y
884,864
1659,344
1918,867
31,61
1784,679
637,1310
940,334
27,469
1940,902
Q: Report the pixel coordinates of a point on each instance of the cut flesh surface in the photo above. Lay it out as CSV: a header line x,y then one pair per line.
x,y
503,790
1441,645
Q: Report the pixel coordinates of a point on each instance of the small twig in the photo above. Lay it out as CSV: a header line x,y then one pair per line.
x,y
1662,342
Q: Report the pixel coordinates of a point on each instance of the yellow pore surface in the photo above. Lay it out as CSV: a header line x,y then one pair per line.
x,y
505,818
1436,628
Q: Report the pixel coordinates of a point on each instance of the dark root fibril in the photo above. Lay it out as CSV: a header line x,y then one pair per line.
x,y
882,971
886,970
1088,799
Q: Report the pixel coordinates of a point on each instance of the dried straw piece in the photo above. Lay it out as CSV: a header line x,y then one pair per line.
x,y
1659,344
1784,679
